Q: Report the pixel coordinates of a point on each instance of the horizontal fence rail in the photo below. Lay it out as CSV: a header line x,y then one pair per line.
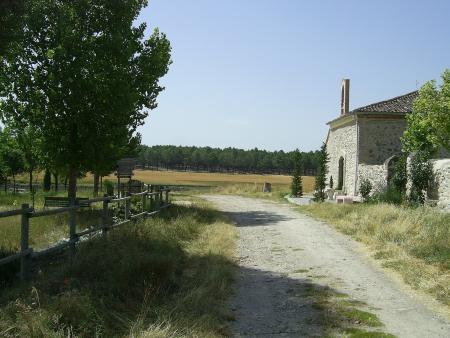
x,y
154,199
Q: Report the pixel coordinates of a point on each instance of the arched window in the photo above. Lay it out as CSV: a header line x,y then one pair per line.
x,y
341,174
390,165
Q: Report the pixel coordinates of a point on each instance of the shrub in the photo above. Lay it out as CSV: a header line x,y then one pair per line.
x,y
400,175
365,188
390,195
420,173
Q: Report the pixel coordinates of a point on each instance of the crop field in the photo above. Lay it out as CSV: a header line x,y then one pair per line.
x,y
209,179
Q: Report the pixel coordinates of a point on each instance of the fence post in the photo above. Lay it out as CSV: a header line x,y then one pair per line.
x,y
24,243
127,208
73,227
144,202
105,215
160,198
152,199
167,196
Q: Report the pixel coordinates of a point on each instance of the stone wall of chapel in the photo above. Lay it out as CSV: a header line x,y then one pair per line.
x,y
379,139
376,174
342,142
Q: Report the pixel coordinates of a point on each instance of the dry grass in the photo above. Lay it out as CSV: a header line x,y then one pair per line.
x,y
252,190
44,231
241,184
208,179
414,242
169,276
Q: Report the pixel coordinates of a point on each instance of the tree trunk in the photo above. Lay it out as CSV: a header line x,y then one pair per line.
x,y
96,180
55,176
72,191
31,181
14,183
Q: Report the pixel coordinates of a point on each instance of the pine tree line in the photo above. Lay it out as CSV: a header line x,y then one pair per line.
x,y
225,160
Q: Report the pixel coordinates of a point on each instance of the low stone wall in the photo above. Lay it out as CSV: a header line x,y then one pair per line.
x,y
440,189
376,174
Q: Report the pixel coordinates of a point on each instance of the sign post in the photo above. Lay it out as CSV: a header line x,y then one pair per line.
x,y
125,169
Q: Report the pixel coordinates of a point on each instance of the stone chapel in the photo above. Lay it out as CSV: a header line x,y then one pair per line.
x,y
365,143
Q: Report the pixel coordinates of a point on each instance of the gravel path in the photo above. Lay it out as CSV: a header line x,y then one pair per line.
x,y
282,251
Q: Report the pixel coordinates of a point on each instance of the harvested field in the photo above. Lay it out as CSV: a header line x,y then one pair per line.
x,y
208,179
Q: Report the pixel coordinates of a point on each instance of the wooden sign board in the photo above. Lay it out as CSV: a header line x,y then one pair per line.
x,y
125,167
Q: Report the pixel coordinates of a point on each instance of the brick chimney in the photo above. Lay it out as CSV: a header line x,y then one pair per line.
x,y
345,96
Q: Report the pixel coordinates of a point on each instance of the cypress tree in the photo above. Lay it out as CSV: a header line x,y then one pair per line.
x,y
322,170
297,186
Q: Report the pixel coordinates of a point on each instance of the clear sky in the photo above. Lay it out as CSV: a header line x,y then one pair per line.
x,y
267,73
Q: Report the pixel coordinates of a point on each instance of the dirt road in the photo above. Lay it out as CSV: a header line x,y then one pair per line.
x,y
295,270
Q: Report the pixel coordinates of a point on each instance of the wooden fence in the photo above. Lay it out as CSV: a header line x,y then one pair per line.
x,y
154,199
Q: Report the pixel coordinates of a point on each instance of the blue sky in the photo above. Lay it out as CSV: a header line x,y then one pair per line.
x,y
267,73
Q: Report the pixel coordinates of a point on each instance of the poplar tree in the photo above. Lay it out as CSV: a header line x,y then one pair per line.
x,y
11,12
85,77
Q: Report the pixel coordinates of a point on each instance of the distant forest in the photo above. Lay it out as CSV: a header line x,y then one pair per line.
x,y
223,160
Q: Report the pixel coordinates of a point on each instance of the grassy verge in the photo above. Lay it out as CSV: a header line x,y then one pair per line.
x,y
414,242
168,276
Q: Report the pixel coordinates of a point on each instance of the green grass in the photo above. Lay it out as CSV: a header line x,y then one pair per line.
x,y
301,271
363,317
360,333
168,276
414,242
338,314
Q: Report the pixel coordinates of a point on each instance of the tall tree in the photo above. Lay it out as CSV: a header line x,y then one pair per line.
x,y
429,122
12,156
3,167
29,142
84,76
428,131
297,186
321,176
11,12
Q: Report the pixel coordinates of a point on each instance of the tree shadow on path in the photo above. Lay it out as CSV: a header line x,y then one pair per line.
x,y
268,304
255,218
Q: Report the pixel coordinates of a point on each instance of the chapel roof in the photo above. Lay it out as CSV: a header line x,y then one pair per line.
x,y
399,104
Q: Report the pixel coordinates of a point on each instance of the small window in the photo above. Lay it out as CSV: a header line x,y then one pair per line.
x,y
341,174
